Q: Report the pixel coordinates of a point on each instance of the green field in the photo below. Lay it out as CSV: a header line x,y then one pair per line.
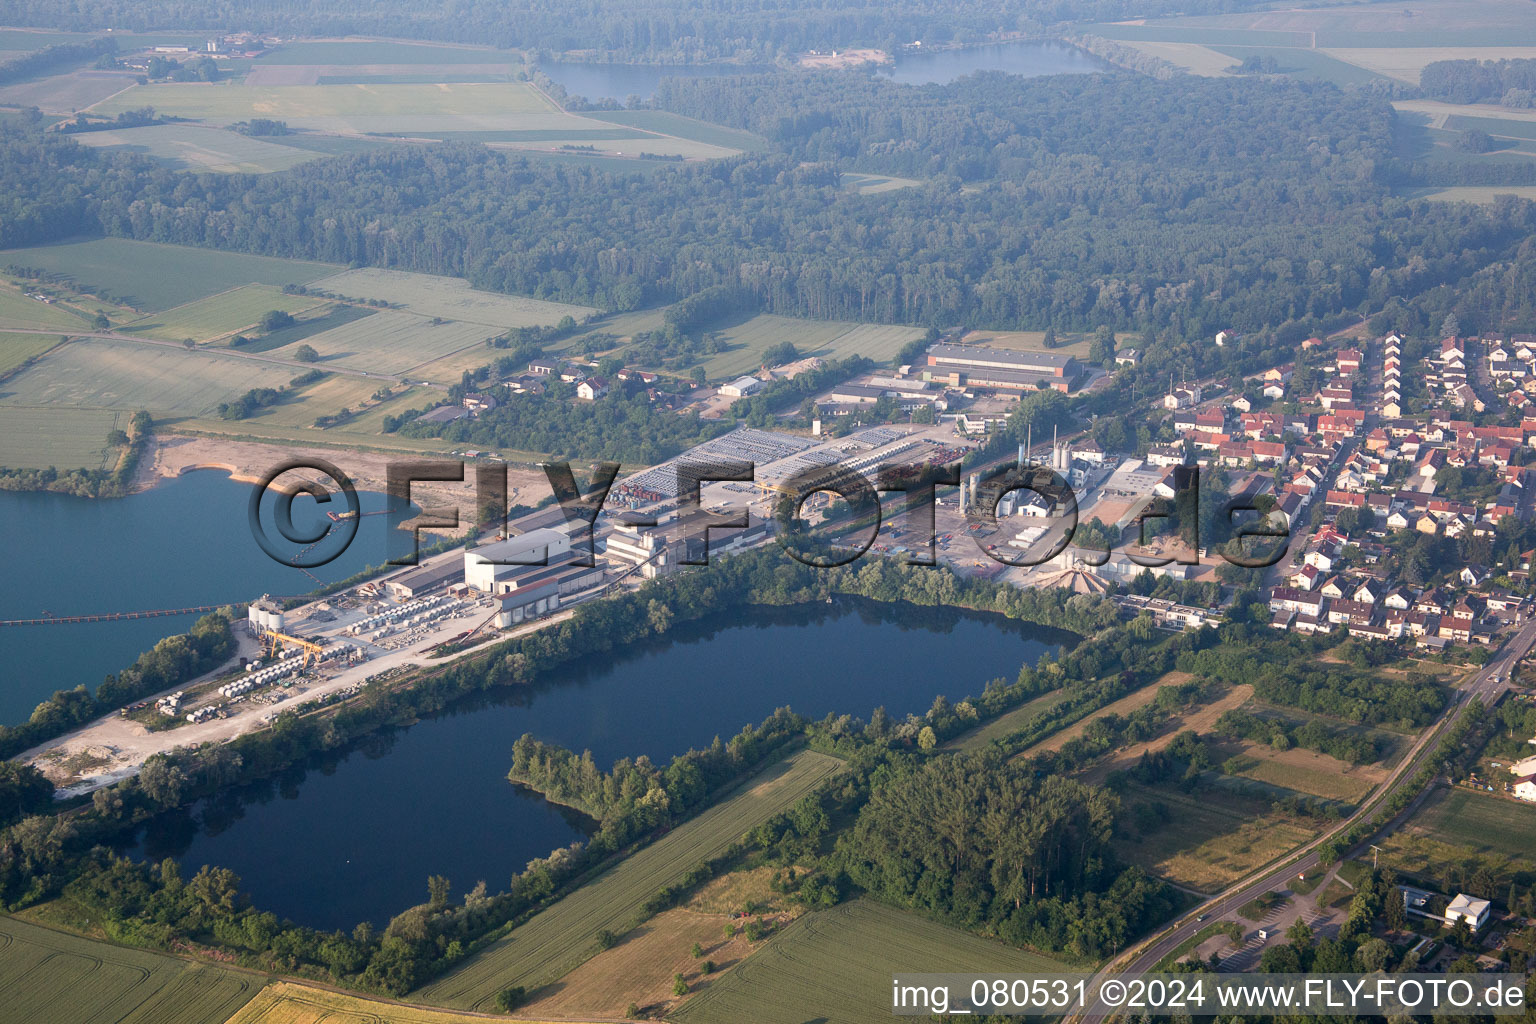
x,y
1481,194
383,52
16,349
16,310
125,375
1479,821
26,39
359,109
1304,63
48,976
226,313
33,437
666,123
157,277
874,184
556,940
451,298
65,93
745,341
1412,23
190,147
836,965
394,341
1204,840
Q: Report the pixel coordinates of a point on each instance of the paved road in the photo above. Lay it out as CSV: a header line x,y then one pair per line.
x,y
227,353
1488,685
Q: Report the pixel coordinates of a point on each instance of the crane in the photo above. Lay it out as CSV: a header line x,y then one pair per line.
x,y
276,640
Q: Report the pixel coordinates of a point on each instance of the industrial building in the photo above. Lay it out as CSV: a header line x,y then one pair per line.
x,y
486,565
422,580
638,547
1001,369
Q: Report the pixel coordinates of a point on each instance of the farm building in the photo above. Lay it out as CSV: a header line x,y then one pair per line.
x,y
741,387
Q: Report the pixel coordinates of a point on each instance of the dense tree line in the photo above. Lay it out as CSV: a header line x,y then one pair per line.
x,y
623,425
1278,675
55,58
1168,209
990,844
170,662
1311,735
673,31
635,797
1508,82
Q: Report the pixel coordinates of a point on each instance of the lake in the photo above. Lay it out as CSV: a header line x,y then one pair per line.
x,y
620,81
182,544
354,835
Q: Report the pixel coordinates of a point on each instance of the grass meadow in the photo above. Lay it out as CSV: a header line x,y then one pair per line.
x,y
190,147
221,315
393,341
836,965
557,939
451,298
157,277
125,375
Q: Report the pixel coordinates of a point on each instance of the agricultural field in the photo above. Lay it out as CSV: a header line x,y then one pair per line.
x,y
1412,24
559,938
16,349
746,341
52,976
393,341
1297,62
65,93
1067,343
219,316
36,437
125,375
1406,63
16,310
1192,57
451,298
836,965
314,400
379,51
1481,194
190,147
1204,840
285,1002
662,122
874,184
156,277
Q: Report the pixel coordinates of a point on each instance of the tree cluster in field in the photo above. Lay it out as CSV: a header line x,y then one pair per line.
x,y
260,127
54,58
623,425
1280,672
1511,83
173,660
138,118
1344,744
991,844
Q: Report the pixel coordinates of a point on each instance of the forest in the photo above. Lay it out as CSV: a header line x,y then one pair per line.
x,y
669,31
1511,83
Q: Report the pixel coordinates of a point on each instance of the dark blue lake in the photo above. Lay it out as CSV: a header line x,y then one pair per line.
x,y
182,544
353,836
